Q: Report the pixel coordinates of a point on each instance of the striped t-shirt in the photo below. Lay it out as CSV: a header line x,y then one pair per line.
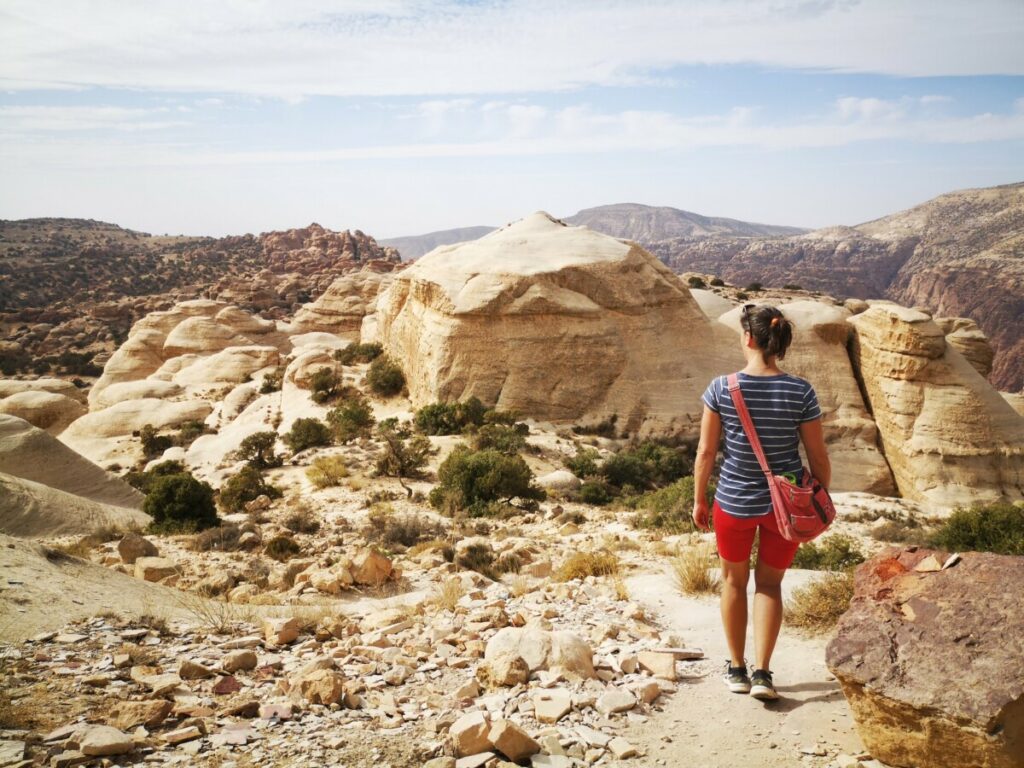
x,y
778,405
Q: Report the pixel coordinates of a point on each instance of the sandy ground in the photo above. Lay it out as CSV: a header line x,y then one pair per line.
x,y
705,725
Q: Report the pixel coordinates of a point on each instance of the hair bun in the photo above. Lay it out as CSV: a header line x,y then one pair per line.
x,y
775,321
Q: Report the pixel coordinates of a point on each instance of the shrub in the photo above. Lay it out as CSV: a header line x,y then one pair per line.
x,y
281,548
584,463
272,381
472,480
499,437
579,565
447,594
907,531
596,492
834,553
143,480
179,503
405,454
189,431
717,282
450,418
351,419
301,521
307,433
741,296
354,354
995,528
509,562
696,282
646,464
407,529
257,450
385,377
327,471
223,538
477,557
604,428
753,287
244,486
153,444
324,385
669,509
792,287
691,570
817,606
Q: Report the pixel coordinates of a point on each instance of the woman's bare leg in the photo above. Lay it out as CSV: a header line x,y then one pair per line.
x,y
767,612
734,607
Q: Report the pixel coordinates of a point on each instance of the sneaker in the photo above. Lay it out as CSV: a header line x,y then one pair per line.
x,y
761,686
736,678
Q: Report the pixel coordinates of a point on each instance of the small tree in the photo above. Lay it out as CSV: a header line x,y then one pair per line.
x,y
473,480
351,419
244,486
179,503
307,433
499,437
385,377
405,453
272,381
696,282
358,353
153,444
324,385
258,450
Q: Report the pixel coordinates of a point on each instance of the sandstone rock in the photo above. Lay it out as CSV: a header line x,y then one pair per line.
x,y
103,741
229,366
964,335
155,568
552,298
127,715
615,700
932,663
191,670
136,390
201,335
559,480
132,546
342,307
45,410
512,741
239,661
469,734
506,669
621,748
371,568
321,686
661,665
540,649
948,435
281,631
552,705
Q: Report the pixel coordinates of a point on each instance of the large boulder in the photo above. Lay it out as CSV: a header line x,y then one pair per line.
x,y
931,659
949,437
341,308
47,410
556,322
561,650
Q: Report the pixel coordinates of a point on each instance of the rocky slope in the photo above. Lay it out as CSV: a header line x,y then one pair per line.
x,y
413,246
648,224
957,255
70,289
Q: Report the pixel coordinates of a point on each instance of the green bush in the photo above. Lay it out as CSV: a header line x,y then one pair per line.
x,y
626,469
833,553
584,463
604,428
696,282
178,503
257,450
354,354
717,282
502,438
792,287
596,492
327,471
753,287
473,480
995,528
669,509
351,419
405,454
272,381
244,486
153,444
281,548
324,385
307,433
189,432
450,418
144,480
385,377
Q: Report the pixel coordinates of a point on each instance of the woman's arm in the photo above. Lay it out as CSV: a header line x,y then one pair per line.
x,y
707,449
813,437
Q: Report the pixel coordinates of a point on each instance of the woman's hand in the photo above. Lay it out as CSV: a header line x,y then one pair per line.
x,y
702,515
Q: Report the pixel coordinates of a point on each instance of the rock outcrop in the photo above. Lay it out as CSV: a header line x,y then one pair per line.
x,y
342,307
47,410
931,658
556,322
949,437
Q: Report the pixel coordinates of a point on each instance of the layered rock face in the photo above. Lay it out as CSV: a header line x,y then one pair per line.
x,y
819,354
342,307
557,322
949,437
931,659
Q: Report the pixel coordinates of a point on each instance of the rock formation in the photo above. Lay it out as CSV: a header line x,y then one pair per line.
x,y
931,658
949,437
555,321
342,307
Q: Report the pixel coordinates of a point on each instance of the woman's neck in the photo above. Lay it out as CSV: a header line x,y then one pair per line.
x,y
757,365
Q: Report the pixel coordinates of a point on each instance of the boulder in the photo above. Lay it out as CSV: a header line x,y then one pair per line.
x,y
469,734
949,437
321,686
241,660
931,658
154,568
45,410
132,546
371,568
964,335
552,705
281,631
559,480
512,741
562,651
102,741
579,319
504,670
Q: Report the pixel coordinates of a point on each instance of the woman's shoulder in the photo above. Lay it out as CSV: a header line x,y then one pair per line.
x,y
800,381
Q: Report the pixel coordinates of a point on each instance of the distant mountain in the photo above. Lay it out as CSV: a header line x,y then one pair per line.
x,y
414,246
645,224
961,254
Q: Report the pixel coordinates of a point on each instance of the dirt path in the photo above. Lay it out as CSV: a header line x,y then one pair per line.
x,y
705,725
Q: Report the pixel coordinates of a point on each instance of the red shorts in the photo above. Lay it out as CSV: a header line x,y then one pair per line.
x,y
735,538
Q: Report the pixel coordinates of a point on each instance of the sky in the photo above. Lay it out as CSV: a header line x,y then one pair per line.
x,y
406,116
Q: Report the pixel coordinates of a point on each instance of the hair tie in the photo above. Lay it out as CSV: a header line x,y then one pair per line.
x,y
775,321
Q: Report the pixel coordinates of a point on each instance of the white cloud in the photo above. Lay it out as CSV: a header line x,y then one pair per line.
x,y
87,118
442,47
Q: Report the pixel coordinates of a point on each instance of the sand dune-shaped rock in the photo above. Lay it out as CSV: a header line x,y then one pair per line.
x,y
138,390
32,454
819,354
229,366
10,387
32,509
964,335
948,435
556,322
341,308
202,335
47,410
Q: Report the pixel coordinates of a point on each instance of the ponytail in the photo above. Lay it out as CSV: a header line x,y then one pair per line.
x,y
771,331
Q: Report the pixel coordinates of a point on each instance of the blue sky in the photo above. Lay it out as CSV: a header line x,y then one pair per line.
x,y
404,116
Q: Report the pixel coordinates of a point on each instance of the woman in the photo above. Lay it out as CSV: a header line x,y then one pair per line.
x,y
785,412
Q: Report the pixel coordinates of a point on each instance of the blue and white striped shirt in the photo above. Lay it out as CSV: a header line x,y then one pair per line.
x,y
778,405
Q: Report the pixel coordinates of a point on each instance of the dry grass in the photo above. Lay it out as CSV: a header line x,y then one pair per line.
x,y
660,548
691,570
447,594
302,521
621,590
440,545
818,606
583,564
520,585
213,615
327,471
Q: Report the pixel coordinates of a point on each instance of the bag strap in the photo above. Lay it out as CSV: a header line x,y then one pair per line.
x,y
748,424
